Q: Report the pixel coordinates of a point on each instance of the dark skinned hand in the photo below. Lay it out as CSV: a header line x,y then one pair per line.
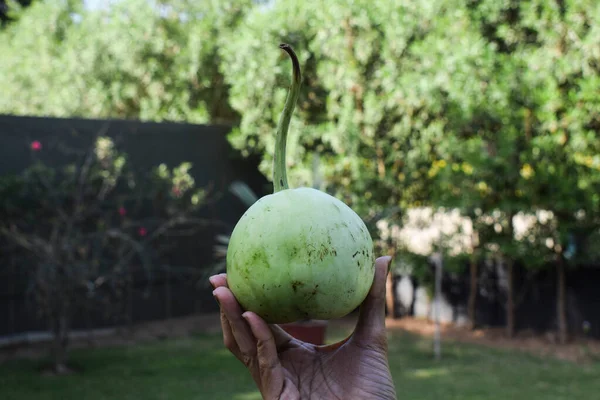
x,y
286,368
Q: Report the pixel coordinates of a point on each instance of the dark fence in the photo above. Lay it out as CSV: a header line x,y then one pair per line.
x,y
215,166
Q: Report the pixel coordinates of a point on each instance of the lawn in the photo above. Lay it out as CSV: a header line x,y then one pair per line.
x,y
200,368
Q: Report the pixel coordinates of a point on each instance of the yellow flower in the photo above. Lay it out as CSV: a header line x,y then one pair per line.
x,y
527,171
467,168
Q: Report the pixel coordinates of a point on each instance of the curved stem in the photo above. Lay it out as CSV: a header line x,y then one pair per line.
x,y
279,168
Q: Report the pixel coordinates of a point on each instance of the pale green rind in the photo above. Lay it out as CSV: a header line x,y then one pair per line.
x,y
298,254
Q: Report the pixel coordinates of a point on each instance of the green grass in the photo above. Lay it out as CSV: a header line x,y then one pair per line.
x,y
200,368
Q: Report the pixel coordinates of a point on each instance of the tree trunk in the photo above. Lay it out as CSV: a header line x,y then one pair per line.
x,y
473,268
510,306
60,330
12,302
389,295
510,289
130,294
437,342
561,300
168,301
60,313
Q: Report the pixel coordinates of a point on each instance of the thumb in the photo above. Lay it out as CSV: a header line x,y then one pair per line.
x,y
370,328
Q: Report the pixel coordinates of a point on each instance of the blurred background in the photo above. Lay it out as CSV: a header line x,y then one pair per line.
x,y
135,133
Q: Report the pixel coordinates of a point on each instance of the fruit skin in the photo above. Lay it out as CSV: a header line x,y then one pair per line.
x,y
300,254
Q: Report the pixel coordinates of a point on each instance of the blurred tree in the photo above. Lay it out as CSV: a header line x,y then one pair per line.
x,y
562,74
149,60
379,88
383,83
478,170
539,138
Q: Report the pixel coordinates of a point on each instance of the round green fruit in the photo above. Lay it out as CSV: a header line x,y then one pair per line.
x,y
299,253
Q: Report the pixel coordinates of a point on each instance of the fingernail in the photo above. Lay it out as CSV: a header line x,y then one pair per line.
x,y
388,260
210,280
246,316
216,298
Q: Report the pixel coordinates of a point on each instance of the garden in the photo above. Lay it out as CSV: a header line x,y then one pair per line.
x,y
197,366
136,134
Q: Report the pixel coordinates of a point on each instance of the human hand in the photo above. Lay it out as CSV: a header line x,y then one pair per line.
x,y
286,368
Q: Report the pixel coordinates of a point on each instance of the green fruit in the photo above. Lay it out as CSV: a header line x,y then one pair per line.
x,y
299,253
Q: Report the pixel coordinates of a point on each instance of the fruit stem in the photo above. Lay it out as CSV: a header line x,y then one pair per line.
x,y
279,168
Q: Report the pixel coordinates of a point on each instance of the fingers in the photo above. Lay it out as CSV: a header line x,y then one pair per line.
x,y
252,340
218,280
228,338
270,370
370,328
240,329
282,338
236,334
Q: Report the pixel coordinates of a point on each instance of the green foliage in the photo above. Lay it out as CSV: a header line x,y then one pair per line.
x,y
487,106
376,77
532,145
149,60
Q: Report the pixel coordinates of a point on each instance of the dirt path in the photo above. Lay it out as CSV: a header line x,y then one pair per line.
x,y
577,350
